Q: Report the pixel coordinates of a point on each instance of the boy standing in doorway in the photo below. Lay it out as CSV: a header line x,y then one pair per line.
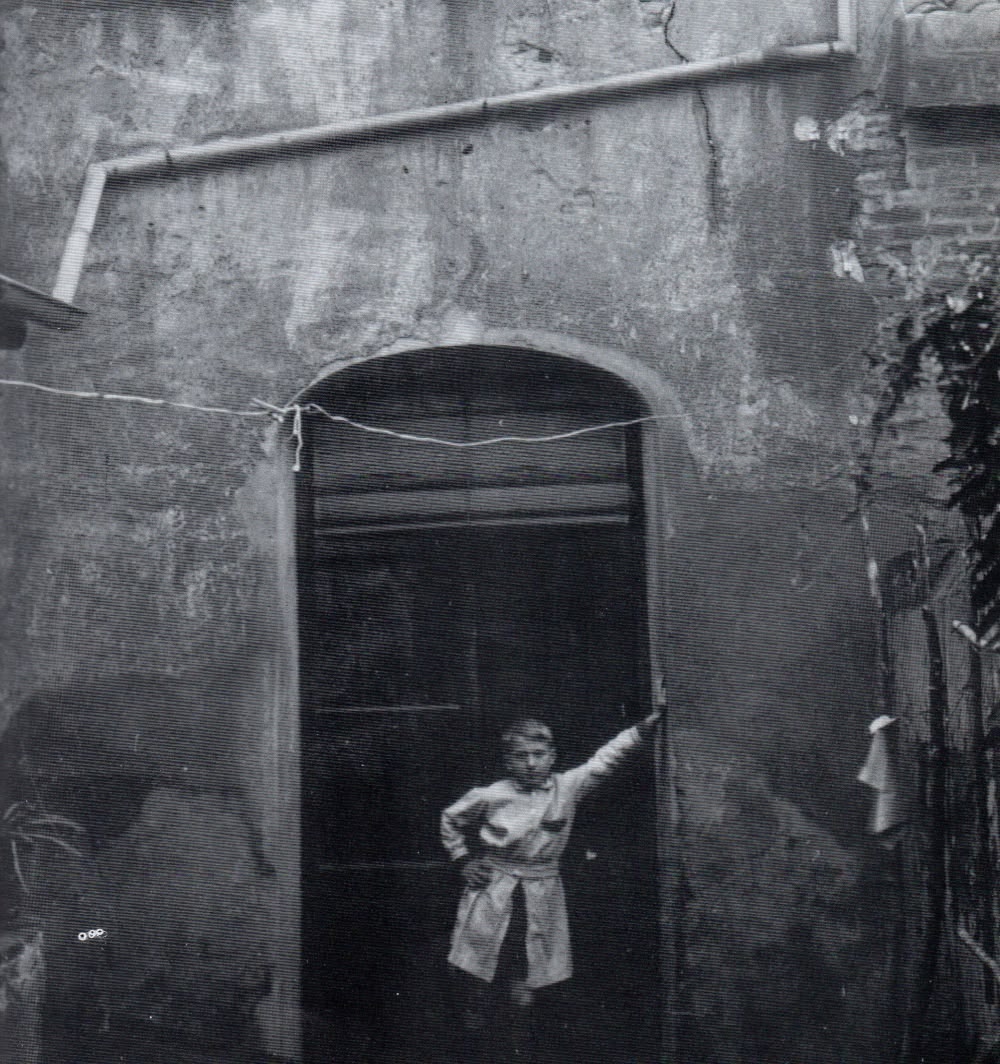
x,y
512,929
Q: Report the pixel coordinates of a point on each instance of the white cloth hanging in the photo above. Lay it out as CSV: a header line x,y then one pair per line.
x,y
881,772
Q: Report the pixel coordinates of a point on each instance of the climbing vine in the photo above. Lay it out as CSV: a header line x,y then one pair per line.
x,y
953,341
948,342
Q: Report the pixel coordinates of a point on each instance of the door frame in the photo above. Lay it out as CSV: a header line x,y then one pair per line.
x,y
670,485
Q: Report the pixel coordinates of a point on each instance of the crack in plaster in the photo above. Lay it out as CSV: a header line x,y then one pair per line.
x,y
712,178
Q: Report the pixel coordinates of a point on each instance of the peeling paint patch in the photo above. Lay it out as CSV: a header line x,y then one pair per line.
x,y
807,128
867,126
339,279
318,62
847,133
844,254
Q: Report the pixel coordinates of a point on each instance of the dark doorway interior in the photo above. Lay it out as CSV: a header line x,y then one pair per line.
x,y
443,592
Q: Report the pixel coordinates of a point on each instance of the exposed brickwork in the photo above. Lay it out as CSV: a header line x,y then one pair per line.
x,y
919,224
927,195
926,207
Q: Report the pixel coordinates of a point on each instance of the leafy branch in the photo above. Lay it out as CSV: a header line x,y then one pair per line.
x,y
24,824
953,341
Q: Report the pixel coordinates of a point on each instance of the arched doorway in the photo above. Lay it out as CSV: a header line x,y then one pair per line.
x,y
442,591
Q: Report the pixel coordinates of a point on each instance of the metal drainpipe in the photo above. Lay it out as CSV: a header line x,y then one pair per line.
x,y
426,118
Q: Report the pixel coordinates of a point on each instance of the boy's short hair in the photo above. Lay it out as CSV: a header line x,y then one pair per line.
x,y
526,729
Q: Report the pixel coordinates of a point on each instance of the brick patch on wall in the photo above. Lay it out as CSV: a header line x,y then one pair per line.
x,y
927,195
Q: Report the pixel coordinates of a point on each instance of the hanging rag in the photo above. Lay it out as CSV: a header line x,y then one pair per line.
x,y
880,772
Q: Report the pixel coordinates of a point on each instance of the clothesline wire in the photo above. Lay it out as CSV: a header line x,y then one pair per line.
x,y
298,409
115,397
410,437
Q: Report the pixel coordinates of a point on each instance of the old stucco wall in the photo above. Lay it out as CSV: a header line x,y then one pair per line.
x,y
146,558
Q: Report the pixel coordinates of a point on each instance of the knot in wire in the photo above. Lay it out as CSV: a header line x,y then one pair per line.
x,y
297,436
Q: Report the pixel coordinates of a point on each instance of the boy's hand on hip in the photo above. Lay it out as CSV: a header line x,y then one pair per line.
x,y
476,873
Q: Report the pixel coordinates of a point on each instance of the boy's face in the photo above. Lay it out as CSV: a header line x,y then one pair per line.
x,y
528,761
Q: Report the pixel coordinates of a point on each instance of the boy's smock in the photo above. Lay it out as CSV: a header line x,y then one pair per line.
x,y
521,833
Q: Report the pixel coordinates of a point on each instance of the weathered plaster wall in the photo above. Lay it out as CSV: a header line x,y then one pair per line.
x,y
775,658
689,231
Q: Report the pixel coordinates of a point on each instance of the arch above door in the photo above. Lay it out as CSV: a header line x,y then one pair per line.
x,y
643,483
640,374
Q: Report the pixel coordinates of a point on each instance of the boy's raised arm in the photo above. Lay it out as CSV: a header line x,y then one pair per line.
x,y
605,760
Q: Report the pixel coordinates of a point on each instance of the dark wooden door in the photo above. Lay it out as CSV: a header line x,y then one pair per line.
x,y
389,735
444,590
432,642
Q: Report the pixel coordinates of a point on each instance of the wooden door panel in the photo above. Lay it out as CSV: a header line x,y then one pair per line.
x,y
542,623
388,630
384,774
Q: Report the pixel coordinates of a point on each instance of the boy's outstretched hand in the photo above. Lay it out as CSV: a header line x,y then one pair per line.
x,y
476,873
646,726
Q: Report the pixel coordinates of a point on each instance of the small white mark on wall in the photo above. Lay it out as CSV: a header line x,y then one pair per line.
x,y
846,263
806,128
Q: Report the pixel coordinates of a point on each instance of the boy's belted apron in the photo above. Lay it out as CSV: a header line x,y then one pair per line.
x,y
484,916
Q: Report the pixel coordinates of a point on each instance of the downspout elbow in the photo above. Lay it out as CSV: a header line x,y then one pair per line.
x,y
846,43
75,252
